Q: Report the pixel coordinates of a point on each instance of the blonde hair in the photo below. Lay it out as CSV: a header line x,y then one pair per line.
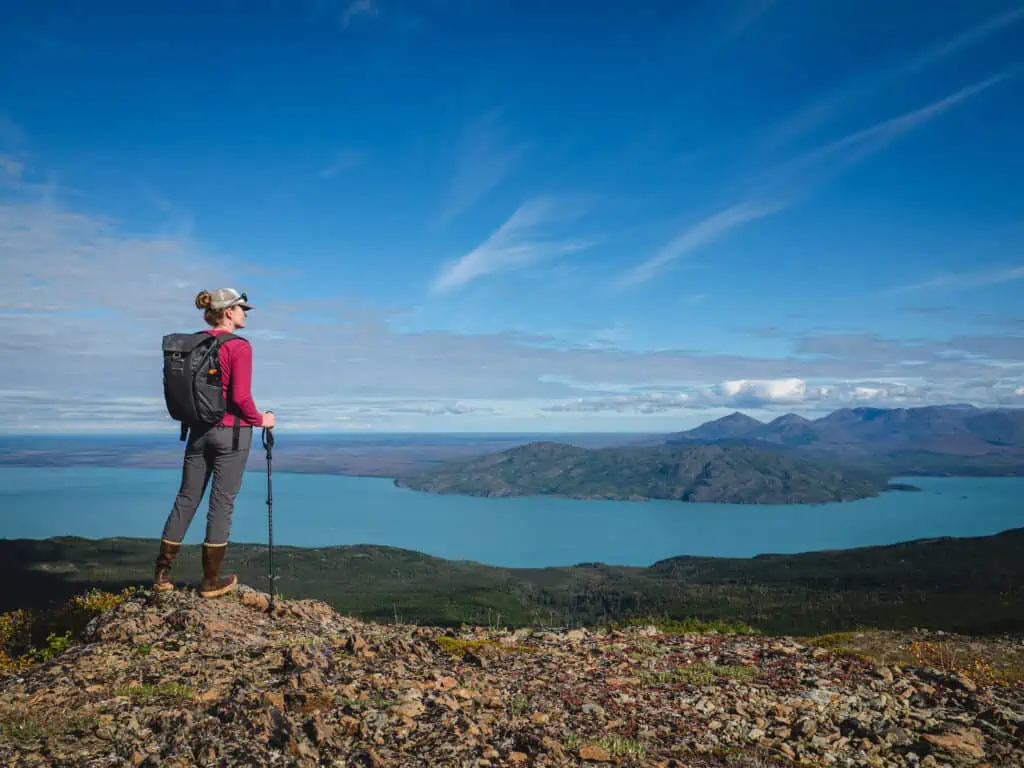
x,y
212,317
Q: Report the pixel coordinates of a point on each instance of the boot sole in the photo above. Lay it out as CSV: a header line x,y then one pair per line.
x,y
163,587
222,590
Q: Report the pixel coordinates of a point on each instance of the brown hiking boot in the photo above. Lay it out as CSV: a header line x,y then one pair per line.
x,y
213,585
162,577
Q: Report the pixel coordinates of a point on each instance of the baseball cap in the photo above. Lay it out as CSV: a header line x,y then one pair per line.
x,y
223,298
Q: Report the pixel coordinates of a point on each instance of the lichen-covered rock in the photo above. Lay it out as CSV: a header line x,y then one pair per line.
x,y
175,680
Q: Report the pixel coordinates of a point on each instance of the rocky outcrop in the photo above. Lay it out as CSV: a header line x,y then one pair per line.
x,y
174,680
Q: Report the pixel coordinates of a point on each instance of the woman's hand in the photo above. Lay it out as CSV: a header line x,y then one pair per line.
x,y
268,419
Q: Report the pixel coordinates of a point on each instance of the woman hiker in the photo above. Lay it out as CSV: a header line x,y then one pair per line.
x,y
214,451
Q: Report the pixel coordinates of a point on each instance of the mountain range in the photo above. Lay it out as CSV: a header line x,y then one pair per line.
x,y
849,454
946,439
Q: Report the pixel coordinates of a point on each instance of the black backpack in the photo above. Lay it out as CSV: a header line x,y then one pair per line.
x,y
192,379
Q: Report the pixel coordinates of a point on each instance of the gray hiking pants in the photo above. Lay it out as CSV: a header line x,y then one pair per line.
x,y
209,453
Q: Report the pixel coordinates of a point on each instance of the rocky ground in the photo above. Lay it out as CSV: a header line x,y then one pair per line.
x,y
173,680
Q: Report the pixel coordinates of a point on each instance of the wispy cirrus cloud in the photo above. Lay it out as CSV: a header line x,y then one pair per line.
x,y
792,181
700,234
975,34
746,16
516,243
869,85
947,282
343,161
12,135
10,167
485,157
358,8
829,160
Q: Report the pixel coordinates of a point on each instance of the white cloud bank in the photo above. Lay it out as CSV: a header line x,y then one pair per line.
x,y
769,391
769,397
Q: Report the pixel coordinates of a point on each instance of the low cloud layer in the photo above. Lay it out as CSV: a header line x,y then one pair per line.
x,y
793,395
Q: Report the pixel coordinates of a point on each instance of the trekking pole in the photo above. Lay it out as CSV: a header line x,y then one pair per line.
x,y
268,443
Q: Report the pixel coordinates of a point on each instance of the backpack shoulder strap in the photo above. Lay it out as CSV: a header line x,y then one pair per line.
x,y
224,338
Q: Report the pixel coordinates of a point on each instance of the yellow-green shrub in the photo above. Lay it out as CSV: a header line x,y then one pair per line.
x,y
30,637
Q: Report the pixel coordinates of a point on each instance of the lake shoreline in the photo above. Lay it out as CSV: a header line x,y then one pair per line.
x,y
889,488
257,462
329,509
944,583
154,541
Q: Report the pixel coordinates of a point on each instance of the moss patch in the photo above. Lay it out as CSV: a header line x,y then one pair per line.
x,y
701,674
19,726
689,626
458,647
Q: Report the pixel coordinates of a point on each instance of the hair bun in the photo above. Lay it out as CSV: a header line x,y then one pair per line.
x,y
203,300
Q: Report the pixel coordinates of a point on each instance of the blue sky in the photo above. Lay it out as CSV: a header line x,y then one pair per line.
x,y
496,215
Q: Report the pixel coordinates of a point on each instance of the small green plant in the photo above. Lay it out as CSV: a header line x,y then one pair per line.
x,y
303,641
19,727
617,746
701,674
833,640
458,647
376,701
33,637
518,705
55,645
689,626
620,746
15,641
98,601
144,649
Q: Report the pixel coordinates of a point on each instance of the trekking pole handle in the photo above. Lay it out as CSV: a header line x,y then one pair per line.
x,y
268,438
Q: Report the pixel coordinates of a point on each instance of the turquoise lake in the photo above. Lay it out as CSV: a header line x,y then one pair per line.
x,y
325,510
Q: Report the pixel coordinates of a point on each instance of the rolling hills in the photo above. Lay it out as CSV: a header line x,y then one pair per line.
x,y
972,585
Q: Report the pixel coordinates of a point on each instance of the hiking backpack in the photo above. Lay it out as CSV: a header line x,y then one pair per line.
x,y
192,378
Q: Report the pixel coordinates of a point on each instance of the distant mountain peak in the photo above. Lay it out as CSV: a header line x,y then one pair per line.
x,y
789,419
737,417
734,425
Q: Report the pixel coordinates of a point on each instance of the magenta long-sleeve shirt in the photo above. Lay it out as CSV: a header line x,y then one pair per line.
x,y
236,374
